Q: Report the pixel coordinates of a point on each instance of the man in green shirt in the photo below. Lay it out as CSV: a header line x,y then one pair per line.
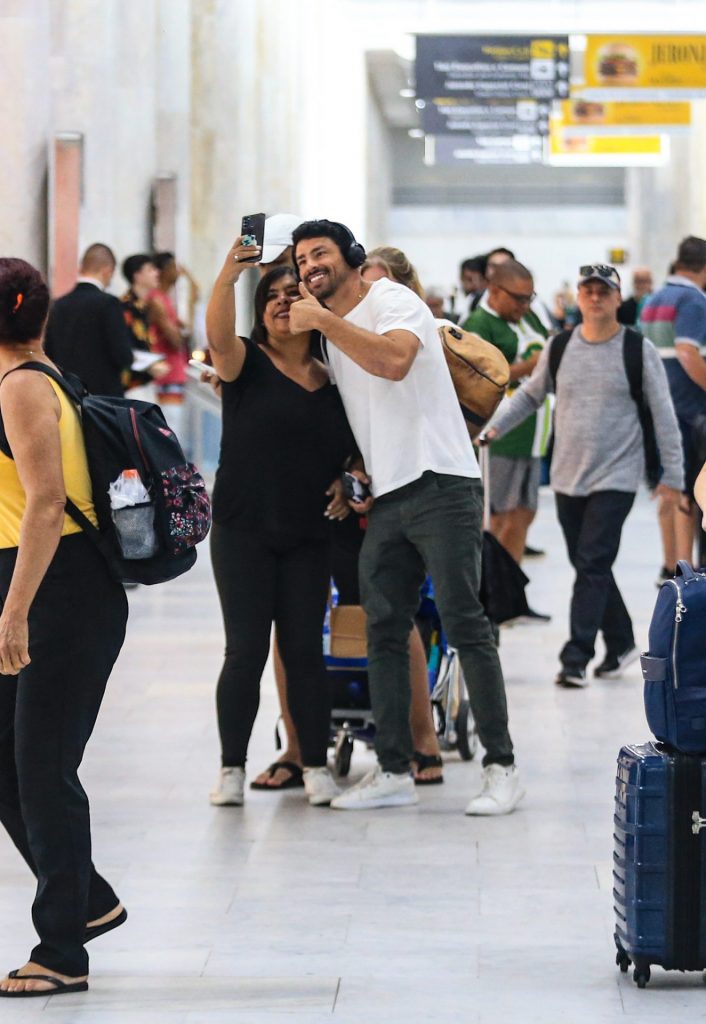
x,y
503,317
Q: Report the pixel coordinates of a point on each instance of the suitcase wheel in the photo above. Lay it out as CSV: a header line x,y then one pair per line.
x,y
623,960
343,753
641,975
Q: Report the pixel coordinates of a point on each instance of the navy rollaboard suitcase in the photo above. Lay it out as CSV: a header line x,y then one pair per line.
x,y
674,668
659,862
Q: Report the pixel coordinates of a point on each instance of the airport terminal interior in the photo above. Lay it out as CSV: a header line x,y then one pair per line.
x,y
153,125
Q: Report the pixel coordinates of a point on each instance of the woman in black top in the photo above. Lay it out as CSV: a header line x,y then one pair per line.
x,y
285,439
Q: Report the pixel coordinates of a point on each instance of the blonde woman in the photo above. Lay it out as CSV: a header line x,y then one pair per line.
x,y
386,261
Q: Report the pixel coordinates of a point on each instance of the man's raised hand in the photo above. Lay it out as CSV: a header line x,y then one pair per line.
x,y
305,314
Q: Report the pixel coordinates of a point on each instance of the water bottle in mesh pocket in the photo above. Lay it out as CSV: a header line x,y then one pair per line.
x,y
134,526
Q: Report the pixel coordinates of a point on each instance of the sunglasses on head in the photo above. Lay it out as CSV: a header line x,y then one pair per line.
x,y
599,269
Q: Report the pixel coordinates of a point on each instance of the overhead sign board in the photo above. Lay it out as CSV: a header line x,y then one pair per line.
x,y
483,149
448,116
604,151
646,67
594,117
492,67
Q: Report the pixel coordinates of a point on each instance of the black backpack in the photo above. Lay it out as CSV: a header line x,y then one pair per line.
x,y
632,359
124,433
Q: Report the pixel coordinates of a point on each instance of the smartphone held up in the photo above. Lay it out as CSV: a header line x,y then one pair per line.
x,y
252,231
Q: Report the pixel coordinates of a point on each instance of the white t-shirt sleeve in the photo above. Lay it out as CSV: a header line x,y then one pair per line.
x,y
401,310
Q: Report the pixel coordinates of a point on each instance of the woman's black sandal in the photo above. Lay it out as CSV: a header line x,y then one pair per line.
x,y
295,780
93,931
61,988
422,761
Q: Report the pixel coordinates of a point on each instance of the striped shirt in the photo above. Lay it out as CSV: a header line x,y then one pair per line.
x,y
676,315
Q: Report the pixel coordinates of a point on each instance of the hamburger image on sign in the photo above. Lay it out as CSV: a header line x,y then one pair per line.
x,y
618,64
588,112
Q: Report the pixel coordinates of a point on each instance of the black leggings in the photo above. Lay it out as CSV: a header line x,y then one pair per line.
x,y
47,713
259,582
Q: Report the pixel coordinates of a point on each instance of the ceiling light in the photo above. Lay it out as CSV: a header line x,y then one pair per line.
x,y
409,93
415,133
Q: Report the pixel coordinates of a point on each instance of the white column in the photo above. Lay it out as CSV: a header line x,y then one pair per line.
x,y
104,86
24,128
278,117
667,203
172,80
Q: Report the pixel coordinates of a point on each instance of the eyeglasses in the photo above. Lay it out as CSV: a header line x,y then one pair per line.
x,y
524,300
599,270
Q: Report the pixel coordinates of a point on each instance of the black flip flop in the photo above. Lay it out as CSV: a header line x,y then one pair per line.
x,y
61,988
295,780
92,932
423,761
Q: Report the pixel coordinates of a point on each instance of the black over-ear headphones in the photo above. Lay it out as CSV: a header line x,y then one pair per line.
x,y
354,255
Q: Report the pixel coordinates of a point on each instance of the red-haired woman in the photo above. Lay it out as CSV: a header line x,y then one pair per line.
x,y
61,628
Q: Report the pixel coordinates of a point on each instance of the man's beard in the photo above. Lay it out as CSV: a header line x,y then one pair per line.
x,y
328,286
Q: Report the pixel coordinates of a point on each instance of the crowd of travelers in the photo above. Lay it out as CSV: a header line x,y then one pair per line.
x,y
341,372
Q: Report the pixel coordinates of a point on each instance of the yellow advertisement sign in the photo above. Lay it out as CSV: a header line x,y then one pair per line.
x,y
595,117
604,151
646,67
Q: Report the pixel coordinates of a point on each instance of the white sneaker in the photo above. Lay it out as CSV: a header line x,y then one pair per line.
x,y
378,789
501,792
319,786
230,788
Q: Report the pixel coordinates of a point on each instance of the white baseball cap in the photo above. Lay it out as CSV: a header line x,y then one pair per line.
x,y
278,235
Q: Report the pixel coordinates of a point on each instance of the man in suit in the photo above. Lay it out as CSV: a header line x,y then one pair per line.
x,y
86,332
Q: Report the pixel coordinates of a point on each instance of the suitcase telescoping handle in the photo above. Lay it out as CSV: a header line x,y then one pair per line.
x,y
484,454
685,571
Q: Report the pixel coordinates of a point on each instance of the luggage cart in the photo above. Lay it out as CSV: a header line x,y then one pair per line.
x,y
352,717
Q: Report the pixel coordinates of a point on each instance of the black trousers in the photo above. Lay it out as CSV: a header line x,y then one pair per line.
x,y
261,581
432,525
47,713
592,526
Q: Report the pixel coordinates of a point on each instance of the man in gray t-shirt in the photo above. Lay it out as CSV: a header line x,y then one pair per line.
x,y
597,464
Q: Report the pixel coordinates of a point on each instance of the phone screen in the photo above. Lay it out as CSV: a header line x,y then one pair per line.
x,y
252,230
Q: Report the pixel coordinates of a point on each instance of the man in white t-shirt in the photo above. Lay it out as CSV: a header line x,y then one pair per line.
x,y
386,358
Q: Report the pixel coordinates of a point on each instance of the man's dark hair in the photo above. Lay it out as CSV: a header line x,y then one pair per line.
x,y
338,233
24,301
691,254
476,264
96,257
511,270
162,259
501,248
134,264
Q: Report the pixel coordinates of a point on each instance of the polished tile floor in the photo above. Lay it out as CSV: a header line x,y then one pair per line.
x,y
283,912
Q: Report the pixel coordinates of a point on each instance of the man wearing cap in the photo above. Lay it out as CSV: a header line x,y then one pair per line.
x,y
276,252
598,461
277,244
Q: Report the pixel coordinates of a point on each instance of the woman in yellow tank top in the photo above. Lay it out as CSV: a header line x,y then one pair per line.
x,y
62,624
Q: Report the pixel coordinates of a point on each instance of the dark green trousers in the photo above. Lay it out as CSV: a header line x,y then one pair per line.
x,y
434,526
